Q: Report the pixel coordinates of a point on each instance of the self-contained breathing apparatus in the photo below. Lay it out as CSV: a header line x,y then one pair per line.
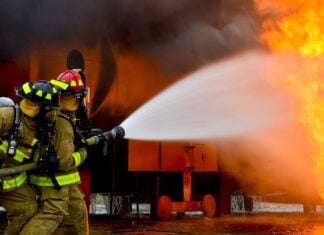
x,y
13,134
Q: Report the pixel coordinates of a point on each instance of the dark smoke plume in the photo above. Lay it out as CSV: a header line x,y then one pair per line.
x,y
179,34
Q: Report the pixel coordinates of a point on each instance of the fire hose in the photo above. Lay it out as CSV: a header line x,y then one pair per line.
x,y
117,132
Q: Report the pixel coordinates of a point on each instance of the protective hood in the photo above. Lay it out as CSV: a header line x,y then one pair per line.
x,y
29,108
69,103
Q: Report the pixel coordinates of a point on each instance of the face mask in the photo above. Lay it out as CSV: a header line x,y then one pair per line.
x,y
29,108
69,103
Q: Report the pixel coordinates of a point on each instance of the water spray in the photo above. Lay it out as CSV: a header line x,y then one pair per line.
x,y
224,99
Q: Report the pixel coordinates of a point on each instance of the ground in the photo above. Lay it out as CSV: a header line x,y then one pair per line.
x,y
229,225
256,224
234,224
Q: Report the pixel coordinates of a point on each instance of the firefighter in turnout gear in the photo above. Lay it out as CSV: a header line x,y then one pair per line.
x,y
19,137
64,207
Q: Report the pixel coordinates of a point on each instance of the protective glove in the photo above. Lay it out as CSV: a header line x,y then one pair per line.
x,y
80,138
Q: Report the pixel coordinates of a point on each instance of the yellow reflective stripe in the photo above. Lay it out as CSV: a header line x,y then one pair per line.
x,y
36,155
80,82
77,158
61,179
4,146
34,141
73,83
39,93
60,84
15,182
19,156
26,88
48,96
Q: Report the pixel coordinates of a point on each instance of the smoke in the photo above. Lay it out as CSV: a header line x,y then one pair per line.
x,y
189,32
201,43
278,160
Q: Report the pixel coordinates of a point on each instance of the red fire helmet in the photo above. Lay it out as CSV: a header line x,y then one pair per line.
x,y
74,80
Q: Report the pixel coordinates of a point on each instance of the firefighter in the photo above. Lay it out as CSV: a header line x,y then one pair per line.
x,y
19,137
63,206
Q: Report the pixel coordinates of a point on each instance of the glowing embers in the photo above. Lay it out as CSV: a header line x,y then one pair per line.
x,y
298,26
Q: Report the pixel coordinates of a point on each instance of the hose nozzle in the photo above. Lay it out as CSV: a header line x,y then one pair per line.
x,y
116,132
120,132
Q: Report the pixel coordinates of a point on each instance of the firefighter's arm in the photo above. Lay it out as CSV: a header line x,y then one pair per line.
x,y
64,146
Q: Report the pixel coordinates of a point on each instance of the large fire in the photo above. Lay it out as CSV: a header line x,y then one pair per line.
x,y
297,26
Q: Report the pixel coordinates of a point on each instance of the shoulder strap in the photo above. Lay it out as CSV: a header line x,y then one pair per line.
x,y
17,119
78,135
68,118
13,132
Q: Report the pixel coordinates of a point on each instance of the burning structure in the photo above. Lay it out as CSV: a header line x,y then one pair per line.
x,y
296,27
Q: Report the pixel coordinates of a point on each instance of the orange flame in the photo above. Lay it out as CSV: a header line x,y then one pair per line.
x,y
295,25
298,25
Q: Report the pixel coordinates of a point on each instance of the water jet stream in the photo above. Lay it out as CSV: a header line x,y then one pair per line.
x,y
224,99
